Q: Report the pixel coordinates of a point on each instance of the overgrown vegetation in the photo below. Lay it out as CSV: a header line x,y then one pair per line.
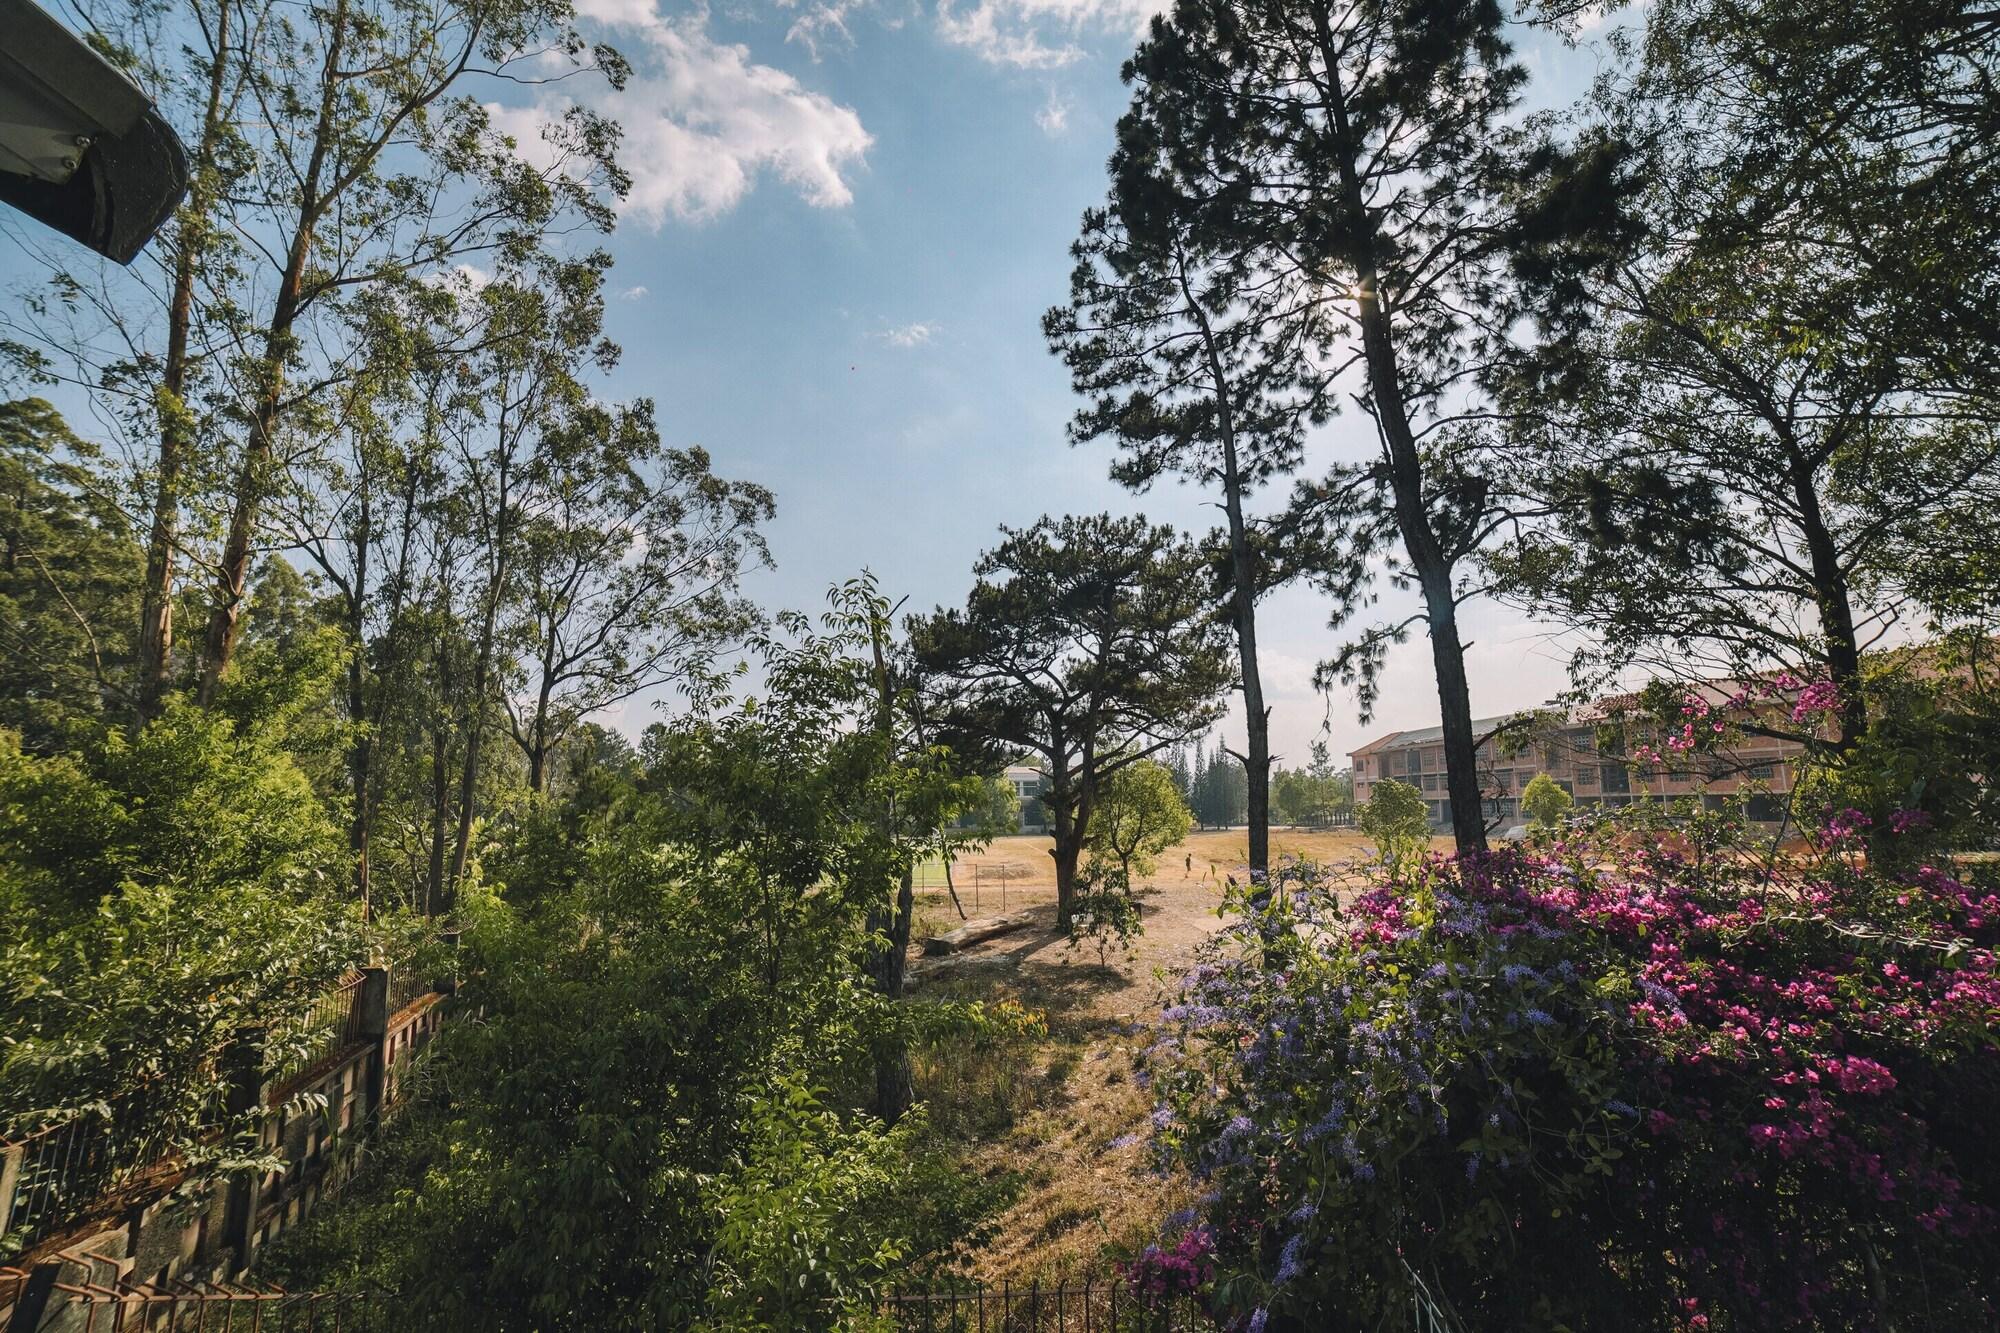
x,y
1702,368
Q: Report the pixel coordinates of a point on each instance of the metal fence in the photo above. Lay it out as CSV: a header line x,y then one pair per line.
x,y
1094,1305
189,1307
64,1168
1102,1304
332,1024
407,983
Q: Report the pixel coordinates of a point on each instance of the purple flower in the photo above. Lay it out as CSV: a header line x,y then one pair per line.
x,y
1289,1266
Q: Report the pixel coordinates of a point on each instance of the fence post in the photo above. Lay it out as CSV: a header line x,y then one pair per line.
x,y
450,939
11,1157
371,1025
32,1302
243,1098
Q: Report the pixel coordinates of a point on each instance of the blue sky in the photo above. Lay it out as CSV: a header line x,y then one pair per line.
x,y
839,295
847,218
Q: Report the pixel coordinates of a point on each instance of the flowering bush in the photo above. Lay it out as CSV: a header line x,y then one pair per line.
x,y
1632,1080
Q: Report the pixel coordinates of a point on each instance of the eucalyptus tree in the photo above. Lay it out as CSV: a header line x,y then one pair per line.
x,y
629,577
338,152
527,423
1089,642
1363,154
363,512
209,79
374,162
1194,364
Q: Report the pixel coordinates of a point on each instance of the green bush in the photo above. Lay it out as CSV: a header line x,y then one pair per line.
x,y
1545,802
1397,819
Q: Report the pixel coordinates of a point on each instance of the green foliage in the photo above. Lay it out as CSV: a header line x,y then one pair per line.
x,y
680,958
1399,822
1138,815
1307,797
1934,734
158,891
1106,915
809,1214
69,579
1544,801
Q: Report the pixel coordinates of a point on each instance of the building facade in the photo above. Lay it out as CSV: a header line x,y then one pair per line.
x,y
1565,746
1029,784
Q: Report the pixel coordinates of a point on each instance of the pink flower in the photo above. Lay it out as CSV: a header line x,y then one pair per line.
x,y
1822,696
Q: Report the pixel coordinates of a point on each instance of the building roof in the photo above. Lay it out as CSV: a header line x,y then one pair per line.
x,y
1396,740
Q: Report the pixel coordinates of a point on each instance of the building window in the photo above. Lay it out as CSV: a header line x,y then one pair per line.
x,y
1615,778
1430,782
1763,771
1414,762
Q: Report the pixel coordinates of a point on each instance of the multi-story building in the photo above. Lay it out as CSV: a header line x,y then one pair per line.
x,y
1029,784
1512,750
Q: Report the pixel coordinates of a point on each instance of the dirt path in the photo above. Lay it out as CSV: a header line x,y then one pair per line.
x,y
1072,1134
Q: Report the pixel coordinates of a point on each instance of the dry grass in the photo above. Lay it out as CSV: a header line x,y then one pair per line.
x,y
1049,1117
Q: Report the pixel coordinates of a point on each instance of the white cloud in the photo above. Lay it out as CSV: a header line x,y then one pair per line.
x,y
822,21
635,293
911,335
1054,115
703,120
1039,34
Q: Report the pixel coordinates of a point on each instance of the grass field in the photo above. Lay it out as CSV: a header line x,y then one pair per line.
x,y
1064,1118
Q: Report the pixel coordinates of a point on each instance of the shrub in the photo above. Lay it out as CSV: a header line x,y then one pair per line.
x,y
1104,913
1396,817
158,891
1545,802
1632,1080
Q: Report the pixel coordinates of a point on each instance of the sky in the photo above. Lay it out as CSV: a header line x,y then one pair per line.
x,y
846,219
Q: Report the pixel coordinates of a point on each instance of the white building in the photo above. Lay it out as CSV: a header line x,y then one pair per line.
x,y
1029,784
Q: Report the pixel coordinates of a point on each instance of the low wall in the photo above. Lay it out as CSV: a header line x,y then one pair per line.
x,y
162,1232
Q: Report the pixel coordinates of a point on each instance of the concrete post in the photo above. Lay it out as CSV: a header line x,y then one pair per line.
x,y
373,1028
243,1099
31,1302
449,985
12,1155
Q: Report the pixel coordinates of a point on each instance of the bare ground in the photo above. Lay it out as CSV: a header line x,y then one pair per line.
x,y
1074,1096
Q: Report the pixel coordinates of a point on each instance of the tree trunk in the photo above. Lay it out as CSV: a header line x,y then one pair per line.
x,y
435,901
482,668
156,608
538,737
225,621
468,781
1243,580
893,1088
1836,608
1071,822
360,762
1428,560
894,1091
